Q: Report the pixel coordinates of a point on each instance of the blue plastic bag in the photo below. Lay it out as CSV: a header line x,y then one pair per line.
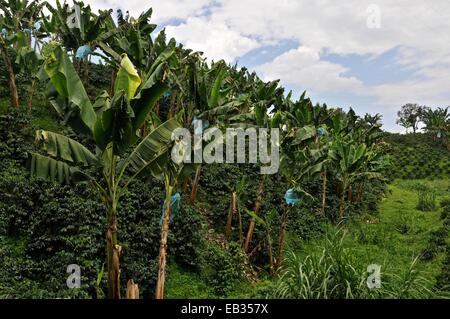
x,y
83,51
4,32
174,207
321,131
38,25
291,197
199,125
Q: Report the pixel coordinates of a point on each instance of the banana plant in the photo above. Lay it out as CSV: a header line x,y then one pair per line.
x,y
80,31
110,124
30,62
16,23
437,122
5,43
352,161
171,173
264,99
212,96
267,221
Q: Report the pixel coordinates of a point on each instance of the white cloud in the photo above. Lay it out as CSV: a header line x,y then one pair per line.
x,y
303,68
216,40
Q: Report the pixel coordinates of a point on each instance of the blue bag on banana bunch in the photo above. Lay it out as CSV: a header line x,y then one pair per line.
x,y
199,125
291,197
38,25
83,51
174,207
322,131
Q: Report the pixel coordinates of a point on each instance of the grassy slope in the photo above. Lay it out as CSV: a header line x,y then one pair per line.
x,y
372,239
381,239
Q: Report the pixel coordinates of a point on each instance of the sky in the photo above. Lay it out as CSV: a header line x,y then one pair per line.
x,y
373,56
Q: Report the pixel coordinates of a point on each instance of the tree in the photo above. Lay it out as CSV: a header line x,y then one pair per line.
x,y
352,161
16,22
111,126
171,174
11,74
437,122
211,98
409,116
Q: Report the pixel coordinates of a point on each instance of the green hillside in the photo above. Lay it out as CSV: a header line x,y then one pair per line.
x,y
95,202
418,156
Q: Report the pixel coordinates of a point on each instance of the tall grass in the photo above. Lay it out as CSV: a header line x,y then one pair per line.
x,y
334,273
426,198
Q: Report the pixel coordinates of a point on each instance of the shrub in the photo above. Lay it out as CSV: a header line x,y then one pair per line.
x,y
436,244
402,224
224,268
426,198
443,280
61,225
306,224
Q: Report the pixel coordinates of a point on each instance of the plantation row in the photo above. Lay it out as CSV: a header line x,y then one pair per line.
x,y
103,131
417,156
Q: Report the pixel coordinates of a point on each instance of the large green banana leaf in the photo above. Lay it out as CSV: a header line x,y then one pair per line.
x,y
152,89
114,125
67,83
49,168
64,148
303,134
127,79
215,89
153,147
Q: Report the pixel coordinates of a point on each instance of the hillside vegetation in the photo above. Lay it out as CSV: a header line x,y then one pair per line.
x,y
88,180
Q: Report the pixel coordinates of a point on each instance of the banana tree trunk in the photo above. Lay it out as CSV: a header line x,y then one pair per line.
x,y
359,193
269,248
281,240
232,211
173,106
350,194
31,94
86,70
324,191
113,250
193,196
241,234
252,225
163,246
132,290
342,204
11,76
113,82
157,109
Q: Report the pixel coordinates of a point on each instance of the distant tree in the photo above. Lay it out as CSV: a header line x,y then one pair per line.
x,y
410,116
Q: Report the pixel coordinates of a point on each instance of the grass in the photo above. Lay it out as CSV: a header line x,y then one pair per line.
x,y
184,284
403,231
397,235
